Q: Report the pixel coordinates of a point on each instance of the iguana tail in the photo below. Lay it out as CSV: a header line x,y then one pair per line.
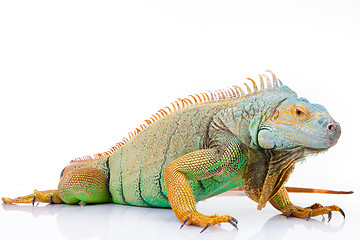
x,y
306,190
314,190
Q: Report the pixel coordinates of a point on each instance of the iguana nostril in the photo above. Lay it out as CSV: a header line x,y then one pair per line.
x,y
330,127
333,126
334,130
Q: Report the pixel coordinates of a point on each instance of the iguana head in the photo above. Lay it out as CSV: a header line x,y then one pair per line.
x,y
295,122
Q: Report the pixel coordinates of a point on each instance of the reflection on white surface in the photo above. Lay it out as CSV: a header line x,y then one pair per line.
x,y
111,221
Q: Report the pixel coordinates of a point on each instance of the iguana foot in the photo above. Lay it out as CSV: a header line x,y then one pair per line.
x,y
282,202
49,196
312,211
196,218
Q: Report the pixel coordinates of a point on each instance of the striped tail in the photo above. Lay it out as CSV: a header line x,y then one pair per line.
x,y
314,190
305,190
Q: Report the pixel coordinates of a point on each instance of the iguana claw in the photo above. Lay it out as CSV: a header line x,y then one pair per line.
x,y
233,223
342,212
329,216
184,222
309,216
206,227
289,214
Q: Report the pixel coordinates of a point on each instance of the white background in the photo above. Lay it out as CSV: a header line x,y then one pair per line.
x,y
76,76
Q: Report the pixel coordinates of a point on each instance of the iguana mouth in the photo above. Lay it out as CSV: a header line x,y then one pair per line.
x,y
328,140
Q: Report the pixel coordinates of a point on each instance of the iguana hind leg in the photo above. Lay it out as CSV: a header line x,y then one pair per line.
x,y
196,165
87,184
282,202
48,196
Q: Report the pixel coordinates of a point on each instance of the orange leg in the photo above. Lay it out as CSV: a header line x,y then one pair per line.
x,y
192,166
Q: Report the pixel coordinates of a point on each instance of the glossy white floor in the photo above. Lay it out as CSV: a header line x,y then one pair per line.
x,y
111,221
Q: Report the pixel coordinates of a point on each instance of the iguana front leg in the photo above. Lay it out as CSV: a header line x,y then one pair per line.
x,y
196,165
282,202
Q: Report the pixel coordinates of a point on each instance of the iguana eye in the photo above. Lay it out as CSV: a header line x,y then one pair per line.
x,y
301,114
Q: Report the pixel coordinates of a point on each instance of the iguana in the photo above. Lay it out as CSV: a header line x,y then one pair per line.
x,y
204,145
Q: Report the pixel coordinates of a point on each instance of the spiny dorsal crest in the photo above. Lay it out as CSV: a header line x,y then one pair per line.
x,y
198,98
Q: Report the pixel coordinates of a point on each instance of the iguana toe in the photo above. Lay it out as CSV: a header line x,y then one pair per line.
x,y
196,218
313,211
